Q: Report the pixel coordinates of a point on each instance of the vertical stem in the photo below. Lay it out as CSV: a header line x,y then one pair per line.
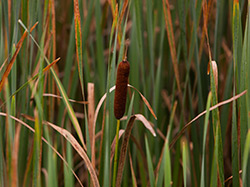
x,y
116,151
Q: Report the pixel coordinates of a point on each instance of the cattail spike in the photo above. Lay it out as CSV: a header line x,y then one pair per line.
x,y
121,89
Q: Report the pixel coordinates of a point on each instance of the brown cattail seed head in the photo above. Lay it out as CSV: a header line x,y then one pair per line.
x,y
121,88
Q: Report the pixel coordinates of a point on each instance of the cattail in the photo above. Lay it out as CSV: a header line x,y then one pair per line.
x,y
121,89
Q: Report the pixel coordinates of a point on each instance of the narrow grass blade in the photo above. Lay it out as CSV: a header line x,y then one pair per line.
x,y
31,129
236,55
203,163
52,168
91,113
196,58
78,38
31,79
160,168
14,161
140,43
203,113
218,27
185,162
101,68
150,29
132,171
38,117
169,28
68,177
245,159
64,95
69,137
150,164
218,150
235,149
106,152
167,166
36,153
107,132
116,151
245,84
112,152
18,47
9,134
171,120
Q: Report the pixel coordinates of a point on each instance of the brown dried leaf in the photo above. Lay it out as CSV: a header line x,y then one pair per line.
x,y
203,113
126,141
31,129
215,72
124,150
149,125
145,101
91,113
132,170
98,107
60,97
4,63
206,15
51,64
171,39
121,132
145,123
14,159
78,41
18,47
71,139
124,7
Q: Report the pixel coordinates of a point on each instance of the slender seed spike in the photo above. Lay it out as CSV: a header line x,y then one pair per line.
x,y
121,88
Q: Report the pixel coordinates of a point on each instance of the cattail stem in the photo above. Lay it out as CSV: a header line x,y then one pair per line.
x,y
116,152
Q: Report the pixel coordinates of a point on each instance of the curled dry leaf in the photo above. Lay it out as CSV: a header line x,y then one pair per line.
x,y
31,129
60,97
31,79
203,113
18,47
126,141
124,150
145,101
121,132
112,89
4,63
71,139
215,72
146,123
113,145
149,125
46,175
100,104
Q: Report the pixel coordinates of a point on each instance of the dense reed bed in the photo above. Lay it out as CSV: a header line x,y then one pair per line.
x,y
181,117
